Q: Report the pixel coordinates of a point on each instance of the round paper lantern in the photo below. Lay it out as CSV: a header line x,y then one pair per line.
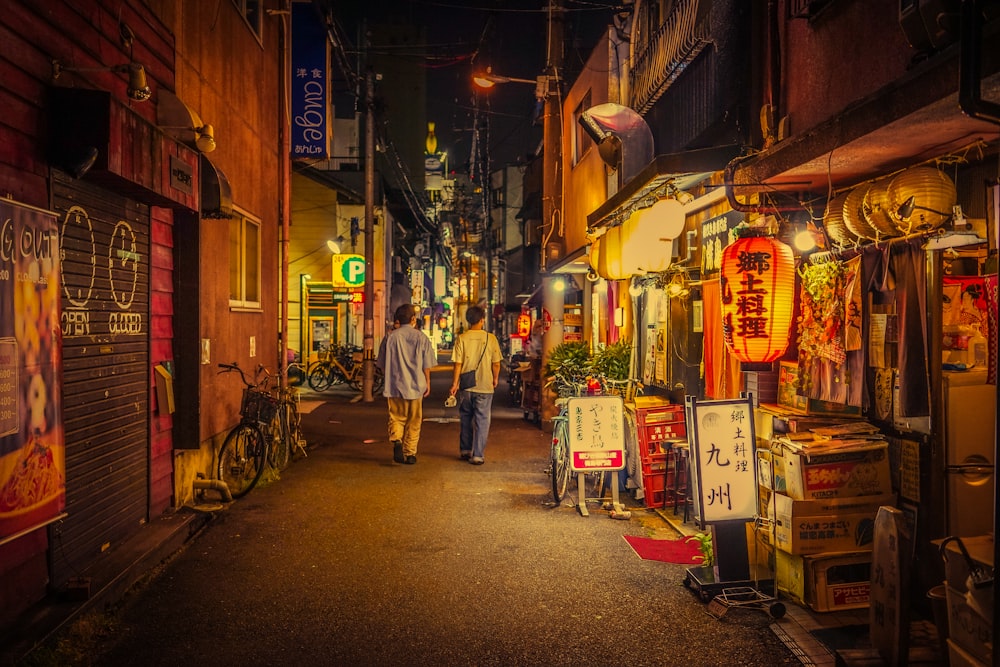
x,y
920,199
758,291
875,208
609,261
593,255
854,216
524,325
632,232
833,222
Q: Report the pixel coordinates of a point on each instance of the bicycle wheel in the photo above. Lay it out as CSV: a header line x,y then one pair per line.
x,y
379,381
320,377
281,443
560,469
241,459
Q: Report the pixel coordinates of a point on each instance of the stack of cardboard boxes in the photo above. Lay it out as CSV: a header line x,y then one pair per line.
x,y
822,479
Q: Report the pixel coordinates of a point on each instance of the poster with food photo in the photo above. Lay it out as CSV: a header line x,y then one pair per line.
x,y
32,448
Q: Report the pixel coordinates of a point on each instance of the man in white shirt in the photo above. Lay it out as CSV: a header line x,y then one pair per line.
x,y
406,364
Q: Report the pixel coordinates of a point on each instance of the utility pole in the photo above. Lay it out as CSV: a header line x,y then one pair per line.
x,y
553,300
369,323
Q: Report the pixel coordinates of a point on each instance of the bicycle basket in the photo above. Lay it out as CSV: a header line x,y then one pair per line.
x,y
258,406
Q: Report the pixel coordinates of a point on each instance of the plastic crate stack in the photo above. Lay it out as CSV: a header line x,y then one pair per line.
x,y
656,426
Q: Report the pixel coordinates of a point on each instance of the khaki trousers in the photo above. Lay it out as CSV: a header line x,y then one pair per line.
x,y
405,417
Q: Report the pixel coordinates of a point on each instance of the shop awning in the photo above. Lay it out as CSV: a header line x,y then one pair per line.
x,y
575,262
685,169
216,195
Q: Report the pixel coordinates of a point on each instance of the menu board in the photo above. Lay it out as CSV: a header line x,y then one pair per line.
x,y
32,448
596,433
723,448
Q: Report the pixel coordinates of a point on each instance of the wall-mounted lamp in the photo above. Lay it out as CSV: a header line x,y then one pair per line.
x,y
204,135
335,246
138,88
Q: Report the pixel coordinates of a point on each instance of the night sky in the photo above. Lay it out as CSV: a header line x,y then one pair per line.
x,y
464,36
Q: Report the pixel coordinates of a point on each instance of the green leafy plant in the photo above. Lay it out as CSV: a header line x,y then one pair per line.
x,y
568,366
613,362
705,546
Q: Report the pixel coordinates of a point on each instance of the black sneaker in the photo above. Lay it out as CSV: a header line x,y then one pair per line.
x,y
410,460
464,455
397,451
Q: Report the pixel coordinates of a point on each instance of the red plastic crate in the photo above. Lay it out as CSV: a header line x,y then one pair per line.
x,y
656,425
663,431
657,480
660,414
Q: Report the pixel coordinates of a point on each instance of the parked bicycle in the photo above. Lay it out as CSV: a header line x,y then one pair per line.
x,y
342,364
560,465
285,430
245,450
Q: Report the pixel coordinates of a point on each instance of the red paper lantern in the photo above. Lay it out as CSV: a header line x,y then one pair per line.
x,y
524,325
758,291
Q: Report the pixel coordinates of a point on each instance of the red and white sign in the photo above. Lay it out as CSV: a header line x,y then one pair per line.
x,y
546,320
596,433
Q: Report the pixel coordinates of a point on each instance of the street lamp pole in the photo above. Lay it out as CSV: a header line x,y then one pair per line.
x,y
369,305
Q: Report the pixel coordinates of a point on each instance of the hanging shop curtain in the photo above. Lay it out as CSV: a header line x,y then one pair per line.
x,y
723,378
895,274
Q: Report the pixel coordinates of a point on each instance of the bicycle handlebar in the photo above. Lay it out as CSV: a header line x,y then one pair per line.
x,y
257,384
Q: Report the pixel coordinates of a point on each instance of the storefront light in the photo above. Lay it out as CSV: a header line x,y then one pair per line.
x,y
804,241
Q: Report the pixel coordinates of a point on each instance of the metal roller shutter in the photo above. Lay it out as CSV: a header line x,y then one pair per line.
x,y
104,243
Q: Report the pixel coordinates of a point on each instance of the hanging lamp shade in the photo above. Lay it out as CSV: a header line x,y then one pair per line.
x,y
633,237
609,262
833,222
933,195
758,292
854,216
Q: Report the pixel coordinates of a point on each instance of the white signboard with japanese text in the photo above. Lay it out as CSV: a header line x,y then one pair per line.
x,y
721,437
596,433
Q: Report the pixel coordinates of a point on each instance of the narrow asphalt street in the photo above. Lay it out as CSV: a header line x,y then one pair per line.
x,y
352,559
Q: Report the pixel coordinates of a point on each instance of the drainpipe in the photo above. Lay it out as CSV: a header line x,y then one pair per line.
x,y
214,485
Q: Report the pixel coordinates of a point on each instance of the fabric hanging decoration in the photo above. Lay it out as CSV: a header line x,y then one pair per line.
x,y
757,281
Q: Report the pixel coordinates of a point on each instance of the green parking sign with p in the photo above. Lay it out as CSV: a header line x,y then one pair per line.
x,y
348,270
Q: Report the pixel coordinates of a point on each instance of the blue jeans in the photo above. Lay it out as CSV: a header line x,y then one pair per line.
x,y
476,411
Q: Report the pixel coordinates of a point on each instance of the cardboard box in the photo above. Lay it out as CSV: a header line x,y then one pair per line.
x,y
826,582
806,527
788,396
847,473
967,627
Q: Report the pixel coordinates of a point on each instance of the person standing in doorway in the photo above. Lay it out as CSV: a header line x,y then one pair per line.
x,y
479,351
406,364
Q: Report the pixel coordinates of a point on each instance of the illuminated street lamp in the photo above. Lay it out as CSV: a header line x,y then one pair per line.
x,y
489,79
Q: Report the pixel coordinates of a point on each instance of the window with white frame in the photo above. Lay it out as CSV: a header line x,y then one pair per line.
x,y
251,11
581,140
244,261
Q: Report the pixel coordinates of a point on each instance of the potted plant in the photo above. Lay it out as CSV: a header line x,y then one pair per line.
x,y
613,365
568,367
